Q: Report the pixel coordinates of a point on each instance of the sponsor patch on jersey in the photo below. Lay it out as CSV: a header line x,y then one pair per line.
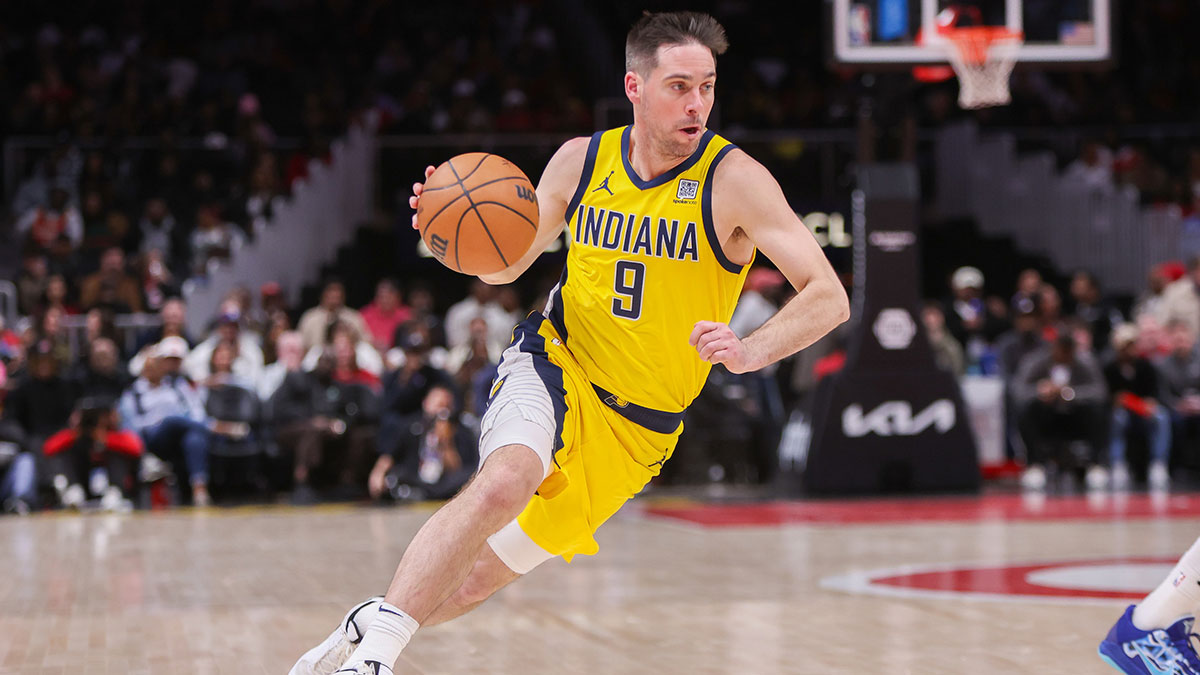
x,y
687,189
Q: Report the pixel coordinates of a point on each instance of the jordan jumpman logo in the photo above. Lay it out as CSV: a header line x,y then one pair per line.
x,y
604,184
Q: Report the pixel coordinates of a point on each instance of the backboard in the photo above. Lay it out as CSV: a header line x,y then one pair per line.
x,y
870,33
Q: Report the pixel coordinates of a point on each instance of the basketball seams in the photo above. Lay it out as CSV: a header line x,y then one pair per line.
x,y
506,206
479,216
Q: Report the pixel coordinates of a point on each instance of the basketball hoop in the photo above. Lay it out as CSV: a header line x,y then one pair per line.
x,y
983,57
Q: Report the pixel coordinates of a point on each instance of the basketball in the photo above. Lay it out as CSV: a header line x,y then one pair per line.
x,y
478,213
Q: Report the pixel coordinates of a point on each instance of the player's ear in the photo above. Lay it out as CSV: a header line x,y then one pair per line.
x,y
633,87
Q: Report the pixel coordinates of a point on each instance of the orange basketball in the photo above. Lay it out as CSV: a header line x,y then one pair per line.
x,y
478,213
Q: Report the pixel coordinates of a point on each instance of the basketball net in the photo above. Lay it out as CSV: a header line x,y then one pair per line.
x,y
983,58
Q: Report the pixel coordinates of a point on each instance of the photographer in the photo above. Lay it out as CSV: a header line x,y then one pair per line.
x,y
431,456
93,447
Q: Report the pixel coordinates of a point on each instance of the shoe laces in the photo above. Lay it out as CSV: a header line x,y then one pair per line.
x,y
1184,653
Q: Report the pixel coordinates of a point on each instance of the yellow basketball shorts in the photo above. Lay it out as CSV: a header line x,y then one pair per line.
x,y
595,457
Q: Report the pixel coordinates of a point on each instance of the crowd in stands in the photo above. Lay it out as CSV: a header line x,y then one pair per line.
x,y
1083,379
381,401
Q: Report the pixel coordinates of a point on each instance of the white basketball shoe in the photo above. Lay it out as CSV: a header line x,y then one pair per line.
x,y
365,668
327,657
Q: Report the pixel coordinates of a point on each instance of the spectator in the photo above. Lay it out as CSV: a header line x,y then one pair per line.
x,y
480,303
1150,301
345,364
221,372
100,378
1180,373
1135,389
947,353
1094,166
95,452
474,365
1050,307
41,403
328,427
248,362
157,229
968,318
384,314
406,387
48,331
213,239
424,318
1181,299
97,236
18,473
158,284
266,317
58,295
500,334
113,277
32,281
365,356
316,322
290,348
169,416
264,188
431,457
1029,282
1090,307
1061,399
41,226
1024,339
174,317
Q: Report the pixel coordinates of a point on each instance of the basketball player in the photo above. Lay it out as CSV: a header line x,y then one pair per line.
x,y
1154,637
664,218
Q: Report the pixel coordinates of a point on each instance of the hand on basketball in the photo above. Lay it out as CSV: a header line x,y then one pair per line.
x,y
416,195
717,343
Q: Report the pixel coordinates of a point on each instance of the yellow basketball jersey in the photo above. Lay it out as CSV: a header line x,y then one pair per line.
x,y
643,267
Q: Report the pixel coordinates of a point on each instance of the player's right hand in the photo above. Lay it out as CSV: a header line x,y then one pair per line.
x,y
416,195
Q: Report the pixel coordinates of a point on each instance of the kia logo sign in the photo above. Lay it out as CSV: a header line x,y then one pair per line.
x,y
895,418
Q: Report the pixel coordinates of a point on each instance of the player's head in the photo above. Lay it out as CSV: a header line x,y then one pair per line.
x,y
671,72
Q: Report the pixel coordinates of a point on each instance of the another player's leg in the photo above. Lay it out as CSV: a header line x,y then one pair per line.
x,y
1155,636
445,550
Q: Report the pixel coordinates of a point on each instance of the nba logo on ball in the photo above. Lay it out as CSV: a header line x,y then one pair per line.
x,y
687,189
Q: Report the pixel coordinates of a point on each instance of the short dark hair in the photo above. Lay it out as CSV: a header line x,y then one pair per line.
x,y
655,29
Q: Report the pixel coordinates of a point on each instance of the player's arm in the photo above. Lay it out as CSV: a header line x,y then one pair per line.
x,y
554,192
747,201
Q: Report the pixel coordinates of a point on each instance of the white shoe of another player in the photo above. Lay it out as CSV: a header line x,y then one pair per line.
x,y
365,668
327,657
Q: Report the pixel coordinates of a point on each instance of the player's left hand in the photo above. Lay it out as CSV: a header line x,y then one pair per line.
x,y
717,343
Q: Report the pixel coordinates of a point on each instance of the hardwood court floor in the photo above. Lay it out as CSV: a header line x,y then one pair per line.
x,y
678,587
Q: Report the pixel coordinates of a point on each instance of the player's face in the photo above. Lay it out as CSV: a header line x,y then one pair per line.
x,y
676,98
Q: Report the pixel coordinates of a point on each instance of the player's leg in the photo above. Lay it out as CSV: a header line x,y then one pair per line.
x,y
489,575
1153,636
446,548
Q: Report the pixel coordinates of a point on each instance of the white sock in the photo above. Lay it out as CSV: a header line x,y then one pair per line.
x,y
386,638
1176,597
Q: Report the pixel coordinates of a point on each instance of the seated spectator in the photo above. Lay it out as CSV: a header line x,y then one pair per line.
x,y
947,353
315,323
1050,307
289,347
167,413
213,239
58,295
173,316
248,362
405,388
221,372
1181,299
41,403
365,356
157,282
42,225
1150,301
513,312
1090,307
345,362
480,303
1025,300
1060,396
18,472
1024,339
157,229
94,452
32,281
100,324
384,314
262,320
1134,388
420,301
100,377
1180,373
431,457
111,277
327,427
969,319
49,333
